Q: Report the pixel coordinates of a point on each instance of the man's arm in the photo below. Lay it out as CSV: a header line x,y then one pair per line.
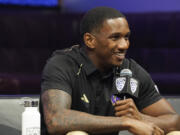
x,y
160,113
60,119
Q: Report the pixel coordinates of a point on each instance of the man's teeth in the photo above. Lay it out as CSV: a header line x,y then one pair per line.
x,y
120,54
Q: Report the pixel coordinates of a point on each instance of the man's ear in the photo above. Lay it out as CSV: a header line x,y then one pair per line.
x,y
89,40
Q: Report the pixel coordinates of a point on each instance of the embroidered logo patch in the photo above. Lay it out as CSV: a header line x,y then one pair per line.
x,y
120,82
84,98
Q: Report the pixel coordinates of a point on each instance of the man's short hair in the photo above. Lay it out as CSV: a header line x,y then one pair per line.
x,y
95,17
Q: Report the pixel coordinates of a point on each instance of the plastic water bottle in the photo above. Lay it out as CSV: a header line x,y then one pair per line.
x,y
31,118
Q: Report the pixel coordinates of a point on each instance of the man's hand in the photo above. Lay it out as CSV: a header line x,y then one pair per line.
x,y
127,108
143,128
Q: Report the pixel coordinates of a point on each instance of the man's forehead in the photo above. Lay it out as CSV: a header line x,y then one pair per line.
x,y
116,21
111,23
115,25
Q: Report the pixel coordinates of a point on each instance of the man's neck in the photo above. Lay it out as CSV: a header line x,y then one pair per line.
x,y
98,64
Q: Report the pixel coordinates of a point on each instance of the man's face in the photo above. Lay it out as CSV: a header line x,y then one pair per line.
x,y
112,42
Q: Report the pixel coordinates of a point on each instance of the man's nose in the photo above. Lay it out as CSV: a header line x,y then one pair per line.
x,y
123,44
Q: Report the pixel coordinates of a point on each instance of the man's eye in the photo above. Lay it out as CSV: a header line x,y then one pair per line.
x,y
114,38
126,37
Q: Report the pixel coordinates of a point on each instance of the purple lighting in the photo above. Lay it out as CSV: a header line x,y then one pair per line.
x,y
124,5
31,2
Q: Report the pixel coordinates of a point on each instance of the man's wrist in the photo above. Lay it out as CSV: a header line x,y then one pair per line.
x,y
126,123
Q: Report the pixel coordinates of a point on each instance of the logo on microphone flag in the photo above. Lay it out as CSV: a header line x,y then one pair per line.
x,y
120,82
133,85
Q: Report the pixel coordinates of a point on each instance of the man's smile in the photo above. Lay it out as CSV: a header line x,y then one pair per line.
x,y
120,55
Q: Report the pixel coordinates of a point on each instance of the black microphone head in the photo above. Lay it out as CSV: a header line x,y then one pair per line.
x,y
126,72
126,85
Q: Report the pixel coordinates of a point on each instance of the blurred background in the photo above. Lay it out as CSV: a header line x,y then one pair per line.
x,y
30,30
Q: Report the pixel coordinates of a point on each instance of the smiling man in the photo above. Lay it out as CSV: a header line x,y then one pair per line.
x,y
77,85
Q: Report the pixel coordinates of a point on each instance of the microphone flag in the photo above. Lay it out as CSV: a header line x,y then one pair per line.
x,y
125,86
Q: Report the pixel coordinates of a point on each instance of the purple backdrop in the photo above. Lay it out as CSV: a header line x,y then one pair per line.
x,y
124,5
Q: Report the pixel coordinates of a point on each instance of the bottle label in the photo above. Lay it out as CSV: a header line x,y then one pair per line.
x,y
33,131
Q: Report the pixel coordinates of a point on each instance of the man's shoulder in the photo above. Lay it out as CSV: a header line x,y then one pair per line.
x,y
65,56
136,68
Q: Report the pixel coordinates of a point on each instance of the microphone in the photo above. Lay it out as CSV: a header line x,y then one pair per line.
x,y
124,88
124,85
